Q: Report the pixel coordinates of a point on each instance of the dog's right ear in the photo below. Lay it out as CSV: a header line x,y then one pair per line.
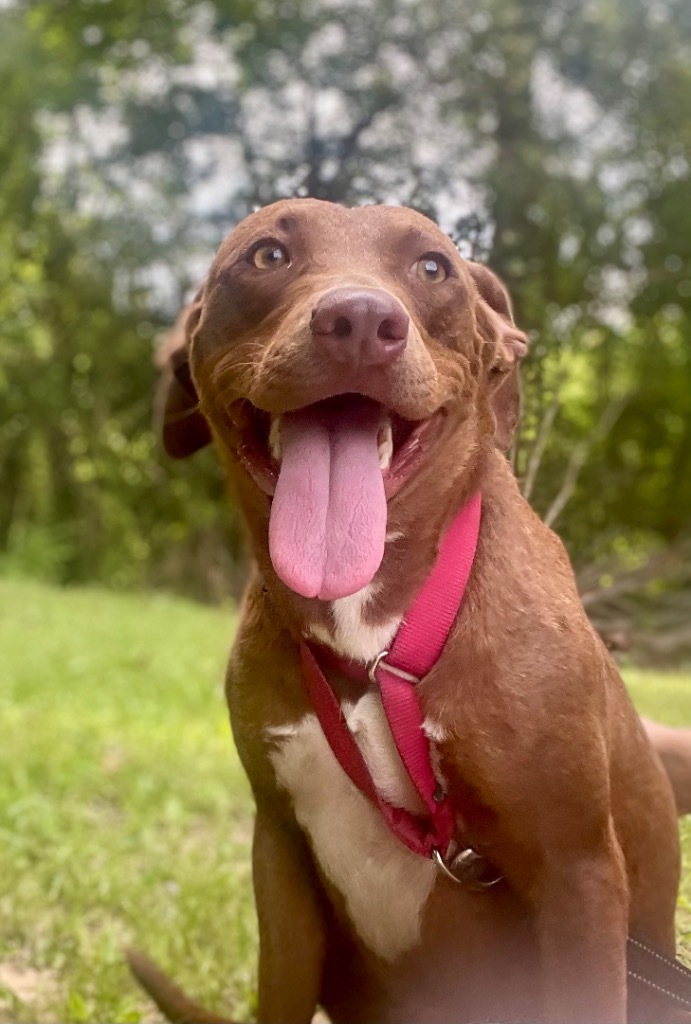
x,y
182,426
508,344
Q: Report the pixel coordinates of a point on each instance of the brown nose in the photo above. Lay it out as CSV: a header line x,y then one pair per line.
x,y
362,326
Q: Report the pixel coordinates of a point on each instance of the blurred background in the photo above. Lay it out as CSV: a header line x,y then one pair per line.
x,y
550,139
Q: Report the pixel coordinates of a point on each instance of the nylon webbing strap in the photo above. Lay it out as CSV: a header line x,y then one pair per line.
x,y
415,650
659,987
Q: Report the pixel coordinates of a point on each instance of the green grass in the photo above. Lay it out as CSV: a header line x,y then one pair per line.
x,y
124,814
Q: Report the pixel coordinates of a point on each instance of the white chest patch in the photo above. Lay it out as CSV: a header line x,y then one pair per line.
x,y
351,636
385,886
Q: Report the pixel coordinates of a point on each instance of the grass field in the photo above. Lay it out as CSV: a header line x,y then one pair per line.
x,y
124,814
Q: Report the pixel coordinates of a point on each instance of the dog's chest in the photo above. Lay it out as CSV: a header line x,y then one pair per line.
x,y
384,885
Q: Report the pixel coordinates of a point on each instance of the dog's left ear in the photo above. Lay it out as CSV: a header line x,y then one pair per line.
x,y
509,345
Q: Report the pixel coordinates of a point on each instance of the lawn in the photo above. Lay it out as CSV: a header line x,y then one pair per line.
x,y
124,814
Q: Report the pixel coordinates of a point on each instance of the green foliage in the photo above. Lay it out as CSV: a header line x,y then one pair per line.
x,y
551,138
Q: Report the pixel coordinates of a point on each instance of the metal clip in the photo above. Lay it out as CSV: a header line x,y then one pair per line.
x,y
468,868
376,662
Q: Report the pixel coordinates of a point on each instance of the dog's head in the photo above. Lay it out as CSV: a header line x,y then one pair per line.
x,y
349,362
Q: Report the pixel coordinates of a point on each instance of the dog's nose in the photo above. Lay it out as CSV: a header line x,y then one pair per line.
x,y
365,326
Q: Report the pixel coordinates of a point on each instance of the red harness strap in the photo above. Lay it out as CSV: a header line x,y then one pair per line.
x,y
416,648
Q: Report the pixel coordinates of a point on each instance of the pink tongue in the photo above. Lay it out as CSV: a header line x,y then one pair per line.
x,y
328,516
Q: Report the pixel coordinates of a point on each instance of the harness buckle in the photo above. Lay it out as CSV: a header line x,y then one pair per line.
x,y
379,660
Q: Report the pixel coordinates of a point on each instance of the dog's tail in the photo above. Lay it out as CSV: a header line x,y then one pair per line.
x,y
674,748
171,1000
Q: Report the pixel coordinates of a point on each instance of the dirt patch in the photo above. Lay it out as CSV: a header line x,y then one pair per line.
x,y
33,988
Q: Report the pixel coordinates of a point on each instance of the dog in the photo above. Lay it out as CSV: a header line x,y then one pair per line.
x,y
361,382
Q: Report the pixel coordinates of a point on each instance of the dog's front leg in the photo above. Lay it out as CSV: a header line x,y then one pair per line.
x,y
291,935
582,922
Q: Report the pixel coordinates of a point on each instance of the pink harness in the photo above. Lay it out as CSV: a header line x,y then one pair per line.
x,y
416,648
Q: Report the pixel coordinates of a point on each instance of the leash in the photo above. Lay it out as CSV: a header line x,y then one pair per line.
x,y
416,648
659,986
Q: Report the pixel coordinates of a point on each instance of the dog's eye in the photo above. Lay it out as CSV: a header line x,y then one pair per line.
x,y
270,255
432,268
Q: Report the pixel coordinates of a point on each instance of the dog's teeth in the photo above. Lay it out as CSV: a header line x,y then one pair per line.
x,y
385,445
275,438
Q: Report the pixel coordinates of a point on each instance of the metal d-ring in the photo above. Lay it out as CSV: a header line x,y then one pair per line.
x,y
376,662
439,861
468,865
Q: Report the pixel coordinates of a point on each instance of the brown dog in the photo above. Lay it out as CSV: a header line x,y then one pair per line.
x,y
360,379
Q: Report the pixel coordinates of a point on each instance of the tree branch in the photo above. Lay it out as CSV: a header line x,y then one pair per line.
x,y
543,435
577,461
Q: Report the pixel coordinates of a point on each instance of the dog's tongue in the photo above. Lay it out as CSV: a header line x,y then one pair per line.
x,y
328,517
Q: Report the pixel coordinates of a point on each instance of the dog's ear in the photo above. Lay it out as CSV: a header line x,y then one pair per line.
x,y
182,427
509,345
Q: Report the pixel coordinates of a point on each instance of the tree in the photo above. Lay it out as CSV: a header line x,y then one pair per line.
x,y
550,138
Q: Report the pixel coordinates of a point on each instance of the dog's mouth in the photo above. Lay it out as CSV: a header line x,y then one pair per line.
x,y
330,469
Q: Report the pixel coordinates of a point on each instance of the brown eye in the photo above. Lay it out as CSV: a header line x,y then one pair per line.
x,y
269,256
432,268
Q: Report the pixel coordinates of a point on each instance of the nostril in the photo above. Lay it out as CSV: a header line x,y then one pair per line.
x,y
392,329
342,327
